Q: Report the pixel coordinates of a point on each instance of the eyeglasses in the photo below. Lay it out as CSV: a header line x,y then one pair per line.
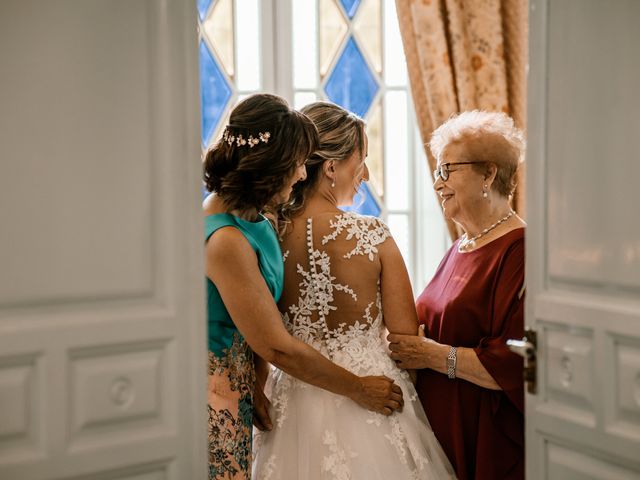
x,y
444,169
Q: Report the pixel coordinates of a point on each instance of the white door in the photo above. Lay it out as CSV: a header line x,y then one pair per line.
x,y
583,239
102,332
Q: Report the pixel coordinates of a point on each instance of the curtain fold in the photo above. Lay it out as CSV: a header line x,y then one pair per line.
x,y
466,55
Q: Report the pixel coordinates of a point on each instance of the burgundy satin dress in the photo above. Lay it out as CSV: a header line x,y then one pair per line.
x,y
476,300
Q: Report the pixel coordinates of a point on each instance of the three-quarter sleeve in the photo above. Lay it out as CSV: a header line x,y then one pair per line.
x,y
507,321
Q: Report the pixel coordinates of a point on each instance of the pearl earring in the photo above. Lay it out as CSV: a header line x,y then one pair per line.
x,y
333,184
484,191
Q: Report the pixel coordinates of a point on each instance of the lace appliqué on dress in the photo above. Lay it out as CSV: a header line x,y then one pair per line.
x,y
349,345
316,297
280,399
368,232
399,441
337,462
349,330
268,470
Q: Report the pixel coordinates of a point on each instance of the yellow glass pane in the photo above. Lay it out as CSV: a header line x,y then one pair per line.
x,y
375,160
332,30
368,26
219,30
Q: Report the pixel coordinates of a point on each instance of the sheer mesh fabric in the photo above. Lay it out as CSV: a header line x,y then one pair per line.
x,y
332,271
332,301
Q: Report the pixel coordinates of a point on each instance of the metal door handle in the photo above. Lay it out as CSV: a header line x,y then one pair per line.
x,y
527,348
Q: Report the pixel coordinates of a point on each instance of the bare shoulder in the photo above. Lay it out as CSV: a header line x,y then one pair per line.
x,y
212,205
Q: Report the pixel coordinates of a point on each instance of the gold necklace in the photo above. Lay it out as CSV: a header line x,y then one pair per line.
x,y
466,243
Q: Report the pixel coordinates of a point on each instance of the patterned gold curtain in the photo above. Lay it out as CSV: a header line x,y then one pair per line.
x,y
465,55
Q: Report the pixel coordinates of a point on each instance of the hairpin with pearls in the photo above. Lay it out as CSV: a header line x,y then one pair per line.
x,y
240,141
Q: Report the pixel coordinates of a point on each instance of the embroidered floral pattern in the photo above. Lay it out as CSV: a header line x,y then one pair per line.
x,y
368,231
358,344
399,441
268,470
337,462
396,439
231,381
229,445
281,397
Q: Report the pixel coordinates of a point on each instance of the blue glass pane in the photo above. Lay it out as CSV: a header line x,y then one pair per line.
x,y
215,93
364,203
203,6
351,84
350,6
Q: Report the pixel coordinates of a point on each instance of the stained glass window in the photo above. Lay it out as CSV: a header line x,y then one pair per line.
x,y
359,64
230,59
346,51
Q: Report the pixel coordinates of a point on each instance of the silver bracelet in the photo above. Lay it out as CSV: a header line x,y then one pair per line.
x,y
452,361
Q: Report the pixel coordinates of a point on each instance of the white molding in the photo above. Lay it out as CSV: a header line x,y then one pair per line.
x,y
283,48
536,207
268,26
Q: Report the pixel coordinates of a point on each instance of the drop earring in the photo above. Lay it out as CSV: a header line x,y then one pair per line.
x,y
484,191
332,170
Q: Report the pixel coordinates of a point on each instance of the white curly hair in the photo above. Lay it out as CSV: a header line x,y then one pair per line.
x,y
486,137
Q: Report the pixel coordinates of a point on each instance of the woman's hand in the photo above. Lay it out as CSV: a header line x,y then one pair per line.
x,y
378,394
261,405
417,351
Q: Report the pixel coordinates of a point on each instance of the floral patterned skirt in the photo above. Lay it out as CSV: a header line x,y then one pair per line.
x,y
230,405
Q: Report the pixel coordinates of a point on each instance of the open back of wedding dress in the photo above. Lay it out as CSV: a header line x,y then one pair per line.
x,y
332,301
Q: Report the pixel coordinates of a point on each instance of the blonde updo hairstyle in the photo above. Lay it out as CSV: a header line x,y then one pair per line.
x,y
485,137
341,133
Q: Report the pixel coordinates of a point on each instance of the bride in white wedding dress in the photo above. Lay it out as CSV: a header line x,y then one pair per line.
x,y
345,284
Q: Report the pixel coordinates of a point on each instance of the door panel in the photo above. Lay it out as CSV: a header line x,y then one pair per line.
x,y
102,324
569,464
583,240
592,142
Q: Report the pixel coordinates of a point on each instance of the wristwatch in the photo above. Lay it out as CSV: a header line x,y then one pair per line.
x,y
452,360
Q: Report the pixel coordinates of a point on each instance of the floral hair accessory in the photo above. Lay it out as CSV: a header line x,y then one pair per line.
x,y
240,141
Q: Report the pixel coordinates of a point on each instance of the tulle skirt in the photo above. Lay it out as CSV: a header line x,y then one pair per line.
x,y
318,435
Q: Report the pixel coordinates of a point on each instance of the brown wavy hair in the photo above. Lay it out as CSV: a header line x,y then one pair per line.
x,y
251,177
341,134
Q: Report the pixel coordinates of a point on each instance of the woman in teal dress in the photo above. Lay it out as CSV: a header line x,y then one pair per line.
x,y
252,170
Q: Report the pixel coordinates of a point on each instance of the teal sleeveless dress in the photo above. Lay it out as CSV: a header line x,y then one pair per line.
x,y
231,370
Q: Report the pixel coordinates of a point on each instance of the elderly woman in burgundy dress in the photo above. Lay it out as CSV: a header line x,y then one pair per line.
x,y
469,383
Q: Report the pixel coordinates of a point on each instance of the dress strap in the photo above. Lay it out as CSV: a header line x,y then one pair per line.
x,y
213,223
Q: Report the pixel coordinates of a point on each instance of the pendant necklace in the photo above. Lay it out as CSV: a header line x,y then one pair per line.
x,y
466,243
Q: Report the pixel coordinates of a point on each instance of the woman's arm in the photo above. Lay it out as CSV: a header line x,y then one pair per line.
x,y
410,351
232,266
398,306
492,354
261,404
262,369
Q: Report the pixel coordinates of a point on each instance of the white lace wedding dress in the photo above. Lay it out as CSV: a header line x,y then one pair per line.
x,y
332,301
